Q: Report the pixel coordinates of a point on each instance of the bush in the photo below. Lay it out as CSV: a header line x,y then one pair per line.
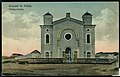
x,y
12,62
8,74
6,61
9,62
116,69
23,62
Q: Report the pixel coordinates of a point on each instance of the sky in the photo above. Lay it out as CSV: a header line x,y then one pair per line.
x,y
21,32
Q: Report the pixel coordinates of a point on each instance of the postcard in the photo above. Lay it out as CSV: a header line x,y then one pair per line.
x,y
60,38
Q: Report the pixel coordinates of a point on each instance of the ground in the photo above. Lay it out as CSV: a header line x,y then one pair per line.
x,y
57,69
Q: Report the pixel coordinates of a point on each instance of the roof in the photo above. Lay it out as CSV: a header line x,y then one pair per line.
x,y
87,13
65,19
35,51
48,13
17,54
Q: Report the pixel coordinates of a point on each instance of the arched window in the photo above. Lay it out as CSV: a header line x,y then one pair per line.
x,y
47,38
47,54
88,38
88,54
47,30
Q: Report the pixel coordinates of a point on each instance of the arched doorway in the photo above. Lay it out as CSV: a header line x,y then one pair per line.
x,y
68,54
88,55
47,55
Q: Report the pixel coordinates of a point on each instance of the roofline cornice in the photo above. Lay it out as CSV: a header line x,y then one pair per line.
x,y
64,19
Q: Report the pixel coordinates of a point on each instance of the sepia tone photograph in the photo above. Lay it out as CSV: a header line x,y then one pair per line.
x,y
60,38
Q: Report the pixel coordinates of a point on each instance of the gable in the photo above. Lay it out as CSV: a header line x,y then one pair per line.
x,y
67,19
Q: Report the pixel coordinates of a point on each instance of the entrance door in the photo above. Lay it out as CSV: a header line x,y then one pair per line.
x,y
68,55
75,56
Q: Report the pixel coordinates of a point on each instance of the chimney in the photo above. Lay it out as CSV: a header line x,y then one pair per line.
x,y
67,15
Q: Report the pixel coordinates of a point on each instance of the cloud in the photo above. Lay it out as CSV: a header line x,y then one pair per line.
x,y
105,37
19,26
8,17
107,25
30,18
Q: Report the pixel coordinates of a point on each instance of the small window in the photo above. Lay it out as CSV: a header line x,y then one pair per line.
x,y
47,30
88,29
88,38
68,36
47,38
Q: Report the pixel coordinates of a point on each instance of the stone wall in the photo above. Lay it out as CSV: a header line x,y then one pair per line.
x,y
61,60
95,61
43,60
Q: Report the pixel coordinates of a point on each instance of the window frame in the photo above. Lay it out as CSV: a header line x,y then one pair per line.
x,y
87,38
48,55
66,34
87,29
45,38
87,54
48,29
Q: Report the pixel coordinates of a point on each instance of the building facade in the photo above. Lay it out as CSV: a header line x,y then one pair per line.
x,y
33,54
110,55
68,37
